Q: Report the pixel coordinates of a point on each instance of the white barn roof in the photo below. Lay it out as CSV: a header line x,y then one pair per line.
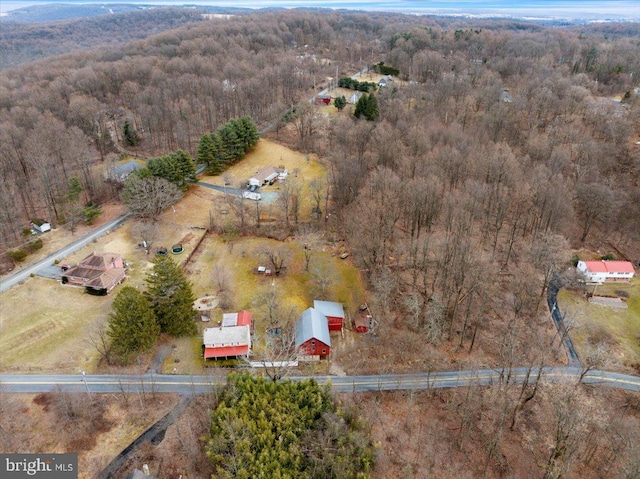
x,y
329,308
233,336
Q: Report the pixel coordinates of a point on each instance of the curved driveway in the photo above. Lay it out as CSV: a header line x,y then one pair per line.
x,y
71,248
182,384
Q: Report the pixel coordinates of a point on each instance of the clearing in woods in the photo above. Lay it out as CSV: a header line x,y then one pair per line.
x,y
615,329
45,326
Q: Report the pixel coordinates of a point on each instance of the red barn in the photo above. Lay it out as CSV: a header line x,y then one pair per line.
x,y
333,311
312,334
323,100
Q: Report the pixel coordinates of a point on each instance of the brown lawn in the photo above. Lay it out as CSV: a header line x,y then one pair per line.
x,y
615,329
97,427
45,325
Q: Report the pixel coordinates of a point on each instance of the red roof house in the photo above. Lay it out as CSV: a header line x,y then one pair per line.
x,y
98,273
231,339
604,271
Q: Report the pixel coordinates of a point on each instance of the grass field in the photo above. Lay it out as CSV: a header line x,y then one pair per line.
x,y
302,169
45,325
618,328
233,264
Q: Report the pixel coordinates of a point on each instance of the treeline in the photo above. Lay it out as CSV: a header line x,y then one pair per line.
x,y
182,83
352,84
227,144
177,168
56,115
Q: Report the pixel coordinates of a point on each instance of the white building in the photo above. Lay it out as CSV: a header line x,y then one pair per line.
x,y
602,271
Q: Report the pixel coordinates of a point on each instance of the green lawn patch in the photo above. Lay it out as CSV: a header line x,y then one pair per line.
x,y
617,328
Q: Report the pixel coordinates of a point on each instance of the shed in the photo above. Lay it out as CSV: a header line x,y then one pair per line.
x,y
40,226
120,173
333,311
362,323
605,271
312,335
353,99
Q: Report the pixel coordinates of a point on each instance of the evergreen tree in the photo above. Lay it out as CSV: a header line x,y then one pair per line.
x,y
206,151
228,144
171,297
340,103
250,134
132,324
130,135
367,106
184,164
371,111
262,428
361,106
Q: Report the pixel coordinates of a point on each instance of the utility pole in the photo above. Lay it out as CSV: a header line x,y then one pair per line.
x,y
84,379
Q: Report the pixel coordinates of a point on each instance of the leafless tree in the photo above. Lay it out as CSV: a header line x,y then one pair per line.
x,y
240,207
289,199
148,197
548,253
147,231
277,256
317,188
98,338
596,202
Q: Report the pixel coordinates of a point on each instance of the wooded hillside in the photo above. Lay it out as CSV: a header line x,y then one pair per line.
x,y
498,149
25,42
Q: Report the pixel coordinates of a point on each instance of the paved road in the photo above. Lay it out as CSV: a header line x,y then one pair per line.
x,y
44,264
21,383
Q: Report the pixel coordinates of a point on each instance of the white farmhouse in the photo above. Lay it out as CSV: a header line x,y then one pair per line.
x,y
601,271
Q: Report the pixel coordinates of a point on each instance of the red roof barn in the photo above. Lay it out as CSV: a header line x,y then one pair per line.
x,y
333,311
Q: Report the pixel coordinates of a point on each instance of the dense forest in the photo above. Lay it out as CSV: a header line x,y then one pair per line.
x,y
498,148
26,42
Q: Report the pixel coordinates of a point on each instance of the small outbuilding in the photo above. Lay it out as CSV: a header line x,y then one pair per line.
x,y
312,335
40,226
353,99
606,271
120,173
362,323
323,100
333,311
